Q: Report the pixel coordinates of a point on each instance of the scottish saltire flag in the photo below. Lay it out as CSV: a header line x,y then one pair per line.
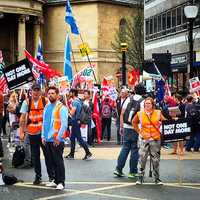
x,y
69,18
67,59
39,55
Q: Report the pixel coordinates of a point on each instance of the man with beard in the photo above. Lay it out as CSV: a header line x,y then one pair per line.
x,y
55,122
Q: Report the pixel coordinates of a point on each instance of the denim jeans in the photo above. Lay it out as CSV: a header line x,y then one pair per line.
x,y
129,145
193,142
27,148
76,134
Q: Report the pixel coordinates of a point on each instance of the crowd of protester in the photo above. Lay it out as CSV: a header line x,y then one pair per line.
x,y
45,119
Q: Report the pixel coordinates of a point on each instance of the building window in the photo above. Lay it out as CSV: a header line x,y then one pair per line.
x,y
147,27
159,23
164,21
151,26
184,19
178,16
197,20
122,24
155,24
169,20
173,18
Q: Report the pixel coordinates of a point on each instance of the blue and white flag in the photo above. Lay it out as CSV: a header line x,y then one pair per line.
x,y
160,90
69,18
39,55
67,59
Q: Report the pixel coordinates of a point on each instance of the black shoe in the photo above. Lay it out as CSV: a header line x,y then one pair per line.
x,y
158,182
70,157
87,156
118,173
37,181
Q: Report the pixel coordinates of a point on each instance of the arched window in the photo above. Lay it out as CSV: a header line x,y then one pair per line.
x,y
122,25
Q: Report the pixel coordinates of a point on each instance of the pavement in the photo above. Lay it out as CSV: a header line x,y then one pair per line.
x,y
94,179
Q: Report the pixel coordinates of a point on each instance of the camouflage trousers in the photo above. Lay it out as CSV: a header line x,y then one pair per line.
x,y
147,148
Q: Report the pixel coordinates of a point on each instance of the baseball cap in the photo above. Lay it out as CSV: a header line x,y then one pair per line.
x,y
124,89
36,86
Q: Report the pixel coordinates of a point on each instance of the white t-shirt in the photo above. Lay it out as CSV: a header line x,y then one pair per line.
x,y
135,97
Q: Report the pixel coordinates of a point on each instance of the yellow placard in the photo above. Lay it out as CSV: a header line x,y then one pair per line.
x,y
84,49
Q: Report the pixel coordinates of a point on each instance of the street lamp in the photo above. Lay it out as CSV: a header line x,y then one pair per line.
x,y
123,50
191,12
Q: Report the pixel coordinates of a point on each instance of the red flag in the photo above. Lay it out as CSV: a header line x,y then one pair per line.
x,y
133,76
104,82
42,66
96,116
3,84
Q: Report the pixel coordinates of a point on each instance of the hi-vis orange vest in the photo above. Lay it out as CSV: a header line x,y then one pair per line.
x,y
148,131
35,117
57,122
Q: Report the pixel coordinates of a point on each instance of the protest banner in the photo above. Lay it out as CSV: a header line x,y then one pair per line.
x,y
18,74
84,78
194,84
175,130
63,85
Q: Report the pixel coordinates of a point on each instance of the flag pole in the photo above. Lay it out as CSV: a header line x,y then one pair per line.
x,y
74,61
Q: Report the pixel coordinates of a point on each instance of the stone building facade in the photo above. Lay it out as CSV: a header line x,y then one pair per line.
x,y
25,20
20,23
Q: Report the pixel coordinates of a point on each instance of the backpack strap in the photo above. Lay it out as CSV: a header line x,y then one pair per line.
x,y
29,104
43,101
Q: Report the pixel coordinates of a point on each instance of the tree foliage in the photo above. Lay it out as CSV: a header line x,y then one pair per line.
x,y
133,34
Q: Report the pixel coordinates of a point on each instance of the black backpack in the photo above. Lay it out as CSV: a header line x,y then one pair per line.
x,y
18,156
132,108
9,179
85,114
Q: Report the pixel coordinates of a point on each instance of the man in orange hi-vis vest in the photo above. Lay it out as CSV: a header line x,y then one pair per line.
x,y
31,123
54,130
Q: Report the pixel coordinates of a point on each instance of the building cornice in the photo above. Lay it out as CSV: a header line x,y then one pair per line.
x,y
42,1
118,2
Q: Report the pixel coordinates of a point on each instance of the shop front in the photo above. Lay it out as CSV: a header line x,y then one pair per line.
x,y
179,73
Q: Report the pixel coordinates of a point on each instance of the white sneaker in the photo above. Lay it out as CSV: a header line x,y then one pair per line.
x,y
60,186
51,184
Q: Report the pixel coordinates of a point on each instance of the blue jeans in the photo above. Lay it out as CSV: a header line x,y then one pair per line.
x,y
129,145
194,142
76,133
